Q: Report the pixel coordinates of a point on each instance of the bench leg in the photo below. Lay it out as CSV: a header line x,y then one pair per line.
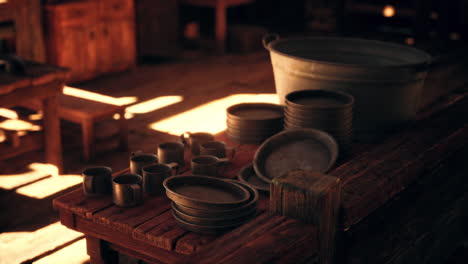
x,y
123,131
98,251
87,128
221,26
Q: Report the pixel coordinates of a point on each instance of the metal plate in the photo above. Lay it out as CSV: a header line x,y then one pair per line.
x,y
246,208
204,192
204,229
247,175
305,149
254,112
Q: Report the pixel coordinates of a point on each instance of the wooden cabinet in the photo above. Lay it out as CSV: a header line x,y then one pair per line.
x,y
157,27
91,37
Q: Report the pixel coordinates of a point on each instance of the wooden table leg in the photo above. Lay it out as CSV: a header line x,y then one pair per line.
x,y
52,136
87,129
123,132
98,251
221,25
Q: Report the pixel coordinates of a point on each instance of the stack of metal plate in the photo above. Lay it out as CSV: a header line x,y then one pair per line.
x,y
326,110
210,205
252,123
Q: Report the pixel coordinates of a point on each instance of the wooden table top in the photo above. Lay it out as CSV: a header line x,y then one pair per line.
x,y
371,176
35,74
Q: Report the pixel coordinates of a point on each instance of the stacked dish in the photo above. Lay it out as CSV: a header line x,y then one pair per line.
x,y
248,176
326,110
209,205
303,149
252,123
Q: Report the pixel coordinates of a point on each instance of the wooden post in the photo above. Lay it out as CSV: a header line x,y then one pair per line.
x,y
311,197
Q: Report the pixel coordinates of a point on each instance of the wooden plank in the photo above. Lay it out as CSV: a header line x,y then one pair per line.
x,y
192,242
428,214
312,198
123,241
375,176
77,203
126,219
237,238
10,82
276,243
161,231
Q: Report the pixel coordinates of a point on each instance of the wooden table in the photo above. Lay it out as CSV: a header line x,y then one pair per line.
x,y
42,83
403,199
220,7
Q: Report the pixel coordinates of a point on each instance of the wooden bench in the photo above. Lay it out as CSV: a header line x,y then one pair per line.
x,y
86,113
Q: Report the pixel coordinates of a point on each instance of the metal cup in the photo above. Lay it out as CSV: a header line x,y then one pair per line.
x,y
217,148
193,140
138,160
97,181
155,174
169,152
207,165
127,190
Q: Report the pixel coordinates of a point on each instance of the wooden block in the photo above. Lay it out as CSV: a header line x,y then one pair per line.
x,y
311,197
246,38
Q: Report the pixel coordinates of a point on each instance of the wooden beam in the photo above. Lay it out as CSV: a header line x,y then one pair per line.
x,y
312,198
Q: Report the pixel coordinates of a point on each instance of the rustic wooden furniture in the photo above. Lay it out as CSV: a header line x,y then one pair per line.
x,y
220,7
91,37
87,113
25,17
44,83
157,27
403,199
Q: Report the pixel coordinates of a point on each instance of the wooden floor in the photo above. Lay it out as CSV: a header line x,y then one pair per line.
x,y
28,224
29,227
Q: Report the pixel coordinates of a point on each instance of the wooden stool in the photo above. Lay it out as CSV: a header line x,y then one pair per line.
x,y
87,113
220,7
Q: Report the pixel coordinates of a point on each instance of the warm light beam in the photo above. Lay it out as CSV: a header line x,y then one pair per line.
x,y
49,186
18,125
8,113
154,104
37,171
209,117
67,90
12,244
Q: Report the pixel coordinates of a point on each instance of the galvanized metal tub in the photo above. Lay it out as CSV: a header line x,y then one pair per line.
x,y
385,79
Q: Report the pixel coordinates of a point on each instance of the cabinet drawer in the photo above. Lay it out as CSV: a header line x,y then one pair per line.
x,y
74,13
116,8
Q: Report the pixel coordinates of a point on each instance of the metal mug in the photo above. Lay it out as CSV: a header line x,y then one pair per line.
x,y
97,181
155,174
207,165
127,190
169,152
138,160
193,140
217,148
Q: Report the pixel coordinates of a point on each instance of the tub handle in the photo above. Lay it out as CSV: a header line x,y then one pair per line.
x,y
269,38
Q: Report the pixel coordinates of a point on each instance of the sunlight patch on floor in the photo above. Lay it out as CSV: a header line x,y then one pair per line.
x,y
71,91
8,113
154,104
18,125
23,246
209,117
49,186
72,254
37,171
